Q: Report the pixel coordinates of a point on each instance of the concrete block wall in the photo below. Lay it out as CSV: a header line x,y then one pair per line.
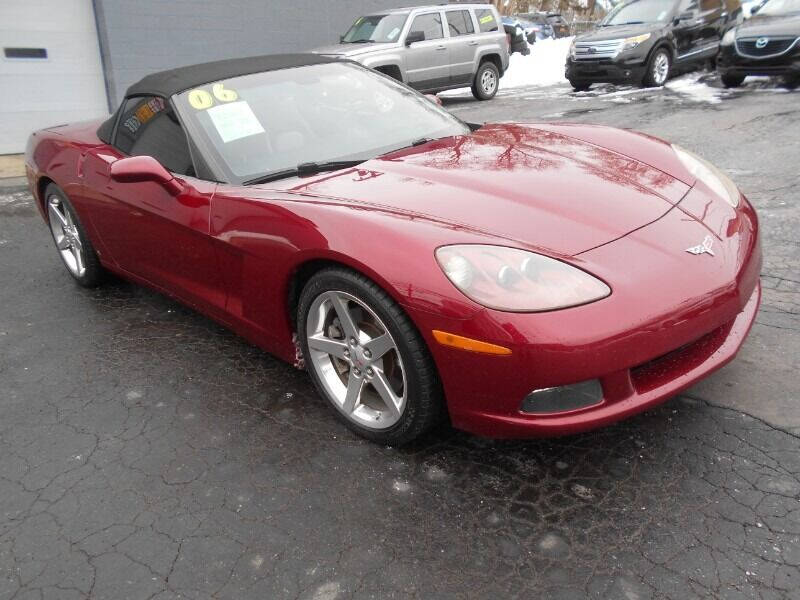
x,y
138,37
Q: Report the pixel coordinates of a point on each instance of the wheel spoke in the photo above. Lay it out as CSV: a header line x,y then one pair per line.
x,y
327,345
379,346
354,387
55,213
63,243
78,259
345,318
76,239
381,385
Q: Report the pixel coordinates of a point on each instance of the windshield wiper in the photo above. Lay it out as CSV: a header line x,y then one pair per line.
x,y
631,23
307,168
358,42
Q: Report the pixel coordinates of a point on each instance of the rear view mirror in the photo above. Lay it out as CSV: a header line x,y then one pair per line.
x,y
137,169
415,36
755,9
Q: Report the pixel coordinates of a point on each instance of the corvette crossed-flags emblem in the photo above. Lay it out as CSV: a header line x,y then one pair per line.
x,y
704,248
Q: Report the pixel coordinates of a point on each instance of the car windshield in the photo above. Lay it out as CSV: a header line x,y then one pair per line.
x,y
260,124
639,11
780,7
376,28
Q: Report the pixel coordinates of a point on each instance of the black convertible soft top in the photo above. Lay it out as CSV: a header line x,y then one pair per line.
x,y
173,81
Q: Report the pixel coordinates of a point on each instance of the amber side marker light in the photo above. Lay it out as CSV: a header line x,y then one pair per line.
x,y
465,343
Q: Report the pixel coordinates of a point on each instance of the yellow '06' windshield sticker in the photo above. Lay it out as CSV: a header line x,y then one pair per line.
x,y
200,99
487,19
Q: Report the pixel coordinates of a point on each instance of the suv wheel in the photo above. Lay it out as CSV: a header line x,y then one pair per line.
x,y
658,68
579,86
486,81
791,81
731,81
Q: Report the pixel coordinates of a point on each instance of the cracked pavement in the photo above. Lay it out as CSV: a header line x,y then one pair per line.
x,y
145,452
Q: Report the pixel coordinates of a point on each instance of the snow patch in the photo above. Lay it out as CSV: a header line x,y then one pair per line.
x,y
695,90
543,66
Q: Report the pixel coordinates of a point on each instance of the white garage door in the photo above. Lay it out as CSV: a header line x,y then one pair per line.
x,y
50,70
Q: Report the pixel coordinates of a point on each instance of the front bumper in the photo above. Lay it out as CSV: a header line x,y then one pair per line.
x,y
605,70
730,62
671,320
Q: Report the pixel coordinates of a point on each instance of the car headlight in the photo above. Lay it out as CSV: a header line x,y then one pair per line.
x,y
514,280
631,42
710,175
729,37
572,49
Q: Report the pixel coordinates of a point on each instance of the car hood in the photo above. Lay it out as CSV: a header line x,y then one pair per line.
x,y
539,188
762,25
616,32
349,50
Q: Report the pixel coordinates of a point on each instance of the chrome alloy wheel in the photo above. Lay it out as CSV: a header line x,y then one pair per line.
x,y
356,359
660,68
488,82
66,234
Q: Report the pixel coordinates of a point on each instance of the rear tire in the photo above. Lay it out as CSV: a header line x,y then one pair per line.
x,y
486,81
73,245
371,356
732,81
658,68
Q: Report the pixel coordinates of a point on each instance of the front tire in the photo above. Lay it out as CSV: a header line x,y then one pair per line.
x,y
791,81
732,81
486,81
73,245
579,86
367,359
658,68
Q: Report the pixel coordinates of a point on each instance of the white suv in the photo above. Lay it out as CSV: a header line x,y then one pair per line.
x,y
431,48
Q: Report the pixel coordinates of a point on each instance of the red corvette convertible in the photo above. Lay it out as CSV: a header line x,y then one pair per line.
x,y
524,280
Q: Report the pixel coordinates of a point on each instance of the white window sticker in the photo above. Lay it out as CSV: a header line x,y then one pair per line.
x,y
234,120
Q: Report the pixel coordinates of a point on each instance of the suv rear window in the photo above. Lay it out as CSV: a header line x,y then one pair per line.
x,y
486,20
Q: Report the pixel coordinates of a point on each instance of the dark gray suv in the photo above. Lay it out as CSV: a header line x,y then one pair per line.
x,y
644,41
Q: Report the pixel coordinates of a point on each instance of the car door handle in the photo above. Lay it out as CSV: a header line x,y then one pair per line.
x,y
473,43
441,47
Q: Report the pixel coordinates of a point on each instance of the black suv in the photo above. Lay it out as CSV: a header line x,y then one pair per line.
x,y
643,41
766,44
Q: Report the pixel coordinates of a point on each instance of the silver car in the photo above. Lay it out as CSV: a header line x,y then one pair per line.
x,y
431,48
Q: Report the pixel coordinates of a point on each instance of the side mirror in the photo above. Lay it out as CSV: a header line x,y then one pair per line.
x,y
136,169
685,16
415,36
434,98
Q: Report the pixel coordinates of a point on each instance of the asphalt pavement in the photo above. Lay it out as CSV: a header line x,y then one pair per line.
x,y
145,452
